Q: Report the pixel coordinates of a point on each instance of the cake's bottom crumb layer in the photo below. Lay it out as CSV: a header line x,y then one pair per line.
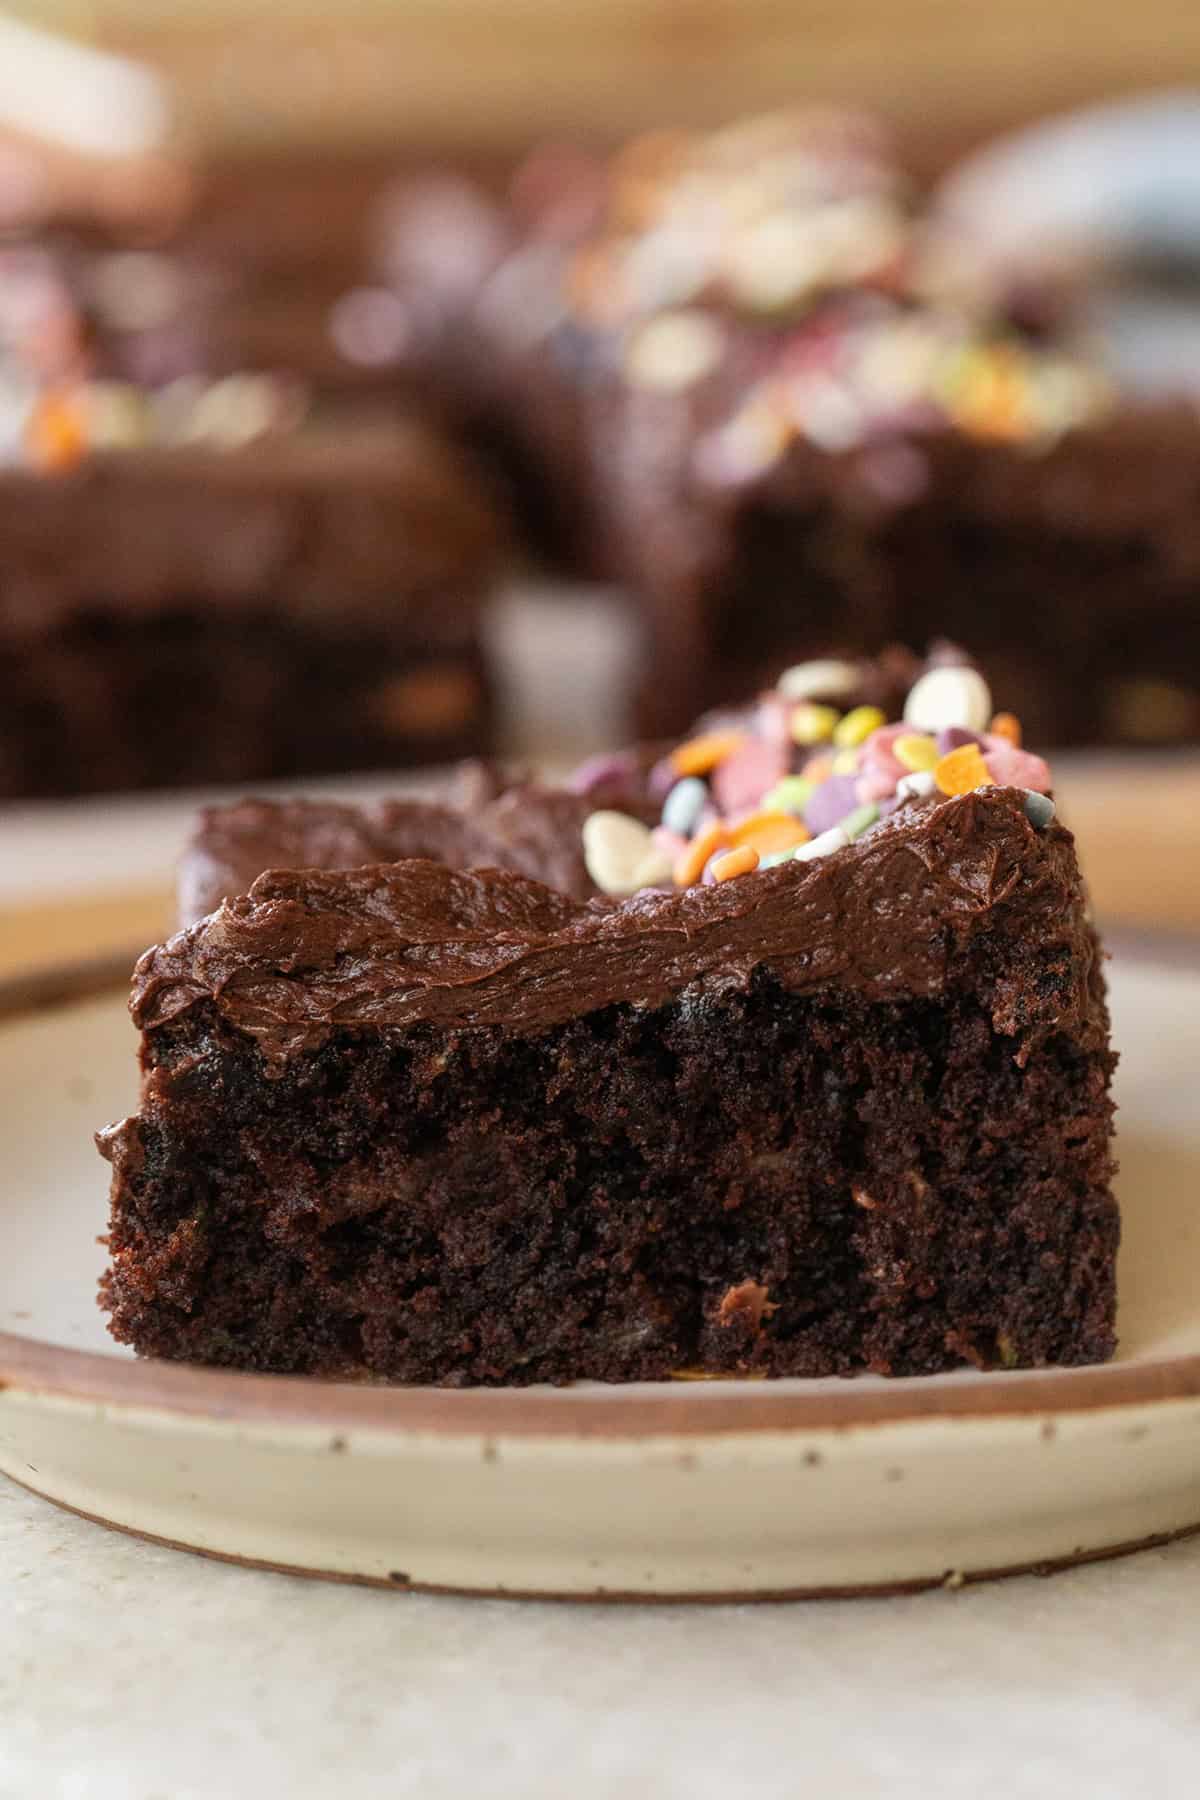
x,y
192,695
752,1184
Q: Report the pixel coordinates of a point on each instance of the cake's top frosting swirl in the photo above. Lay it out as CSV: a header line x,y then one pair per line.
x,y
812,841
906,912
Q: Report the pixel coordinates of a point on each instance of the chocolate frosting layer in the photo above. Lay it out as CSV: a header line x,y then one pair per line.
x,y
386,524
532,830
906,912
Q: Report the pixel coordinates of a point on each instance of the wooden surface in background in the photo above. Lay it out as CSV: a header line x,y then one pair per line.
x,y
455,72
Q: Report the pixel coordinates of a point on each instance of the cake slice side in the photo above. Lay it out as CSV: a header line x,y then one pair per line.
x,y
422,1125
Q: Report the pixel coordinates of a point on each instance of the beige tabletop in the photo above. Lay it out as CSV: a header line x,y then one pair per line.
x,y
133,1672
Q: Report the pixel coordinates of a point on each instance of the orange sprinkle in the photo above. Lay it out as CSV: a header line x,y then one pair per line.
x,y
961,771
1007,725
690,866
55,436
700,754
741,861
767,832
820,768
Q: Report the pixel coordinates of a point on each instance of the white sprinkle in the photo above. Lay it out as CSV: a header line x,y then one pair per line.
x,y
829,680
833,839
674,350
617,850
910,786
947,697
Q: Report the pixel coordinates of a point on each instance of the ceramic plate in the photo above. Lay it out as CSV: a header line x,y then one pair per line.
x,y
697,1489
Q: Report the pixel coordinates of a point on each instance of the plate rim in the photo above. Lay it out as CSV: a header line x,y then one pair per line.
x,y
39,1369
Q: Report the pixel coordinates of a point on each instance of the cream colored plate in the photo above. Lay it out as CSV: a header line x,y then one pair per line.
x,y
685,1489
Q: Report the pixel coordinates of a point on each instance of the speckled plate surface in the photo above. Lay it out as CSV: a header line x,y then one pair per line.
x,y
696,1489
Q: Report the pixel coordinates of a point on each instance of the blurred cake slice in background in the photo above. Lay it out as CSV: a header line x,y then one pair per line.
x,y
754,377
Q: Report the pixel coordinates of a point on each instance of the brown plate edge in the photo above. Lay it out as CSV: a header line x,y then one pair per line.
x,y
36,1368
399,1583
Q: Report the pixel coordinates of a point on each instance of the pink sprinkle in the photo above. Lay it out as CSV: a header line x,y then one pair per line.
x,y
739,783
1009,767
669,842
661,779
773,719
878,784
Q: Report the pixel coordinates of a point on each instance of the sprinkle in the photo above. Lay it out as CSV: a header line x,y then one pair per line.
x,y
684,804
655,869
962,771
953,737
690,866
877,784
775,858
116,415
833,839
598,771
859,821
701,754
830,803
674,351
1007,725
791,795
661,779
826,680
818,769
857,726
742,861
811,724
740,781
55,434
768,832
1017,768
845,763
670,843
916,786
949,696
1039,810
616,849
915,751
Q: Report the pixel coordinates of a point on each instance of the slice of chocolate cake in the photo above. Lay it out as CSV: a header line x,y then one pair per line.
x,y
203,580
784,407
817,1082
175,616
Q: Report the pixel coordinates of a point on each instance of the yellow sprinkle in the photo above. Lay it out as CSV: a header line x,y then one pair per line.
x,y
961,771
916,752
702,754
845,762
857,726
813,724
742,861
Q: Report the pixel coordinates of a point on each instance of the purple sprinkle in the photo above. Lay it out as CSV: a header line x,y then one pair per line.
x,y
597,771
953,737
661,779
831,802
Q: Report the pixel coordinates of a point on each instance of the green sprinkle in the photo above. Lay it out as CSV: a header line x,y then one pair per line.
x,y
791,795
860,820
776,856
